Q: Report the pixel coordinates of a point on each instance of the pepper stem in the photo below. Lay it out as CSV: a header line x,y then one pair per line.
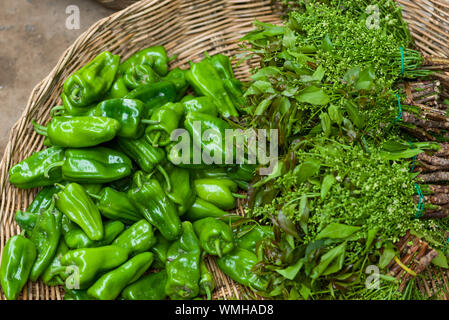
x,y
55,109
148,121
208,295
51,166
166,177
93,195
40,129
60,186
155,140
217,247
238,195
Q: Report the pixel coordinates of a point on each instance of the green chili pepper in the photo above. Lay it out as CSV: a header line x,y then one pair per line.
x,y
139,75
153,95
88,263
79,131
203,209
51,276
45,236
71,294
109,286
206,283
91,82
18,258
75,203
182,191
156,57
94,165
202,104
77,238
183,265
178,78
118,89
149,198
30,173
127,112
27,219
115,205
233,87
137,238
149,287
249,236
215,236
214,147
238,266
160,249
166,119
143,153
205,80
220,192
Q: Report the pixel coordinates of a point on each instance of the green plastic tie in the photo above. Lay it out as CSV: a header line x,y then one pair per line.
x,y
402,61
421,202
399,116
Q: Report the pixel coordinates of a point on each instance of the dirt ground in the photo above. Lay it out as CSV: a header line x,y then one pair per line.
x,y
33,35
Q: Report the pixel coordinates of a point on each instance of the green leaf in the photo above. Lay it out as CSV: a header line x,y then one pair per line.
x,y
335,114
263,106
258,87
371,234
386,257
307,169
305,291
352,75
366,79
327,259
326,185
264,73
303,213
289,39
291,271
354,114
405,154
313,95
440,260
326,44
318,74
325,124
337,231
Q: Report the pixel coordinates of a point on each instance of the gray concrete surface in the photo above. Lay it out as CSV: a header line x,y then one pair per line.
x,y
33,35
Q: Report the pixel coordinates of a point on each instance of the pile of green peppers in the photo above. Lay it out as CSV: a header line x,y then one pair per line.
x,y
115,218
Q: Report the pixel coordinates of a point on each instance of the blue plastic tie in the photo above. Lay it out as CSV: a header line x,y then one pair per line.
x,y
402,61
399,116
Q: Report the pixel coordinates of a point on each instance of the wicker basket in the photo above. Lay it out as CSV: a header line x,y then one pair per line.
x,y
116,4
184,27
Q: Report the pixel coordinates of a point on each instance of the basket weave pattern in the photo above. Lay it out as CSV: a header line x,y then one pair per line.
x,y
185,27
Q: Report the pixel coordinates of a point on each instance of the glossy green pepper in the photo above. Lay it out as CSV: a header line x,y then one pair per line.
x,y
213,148
76,204
94,165
160,250
149,198
79,131
27,219
178,78
91,82
206,283
201,104
88,263
202,209
115,205
142,152
30,173
51,276
149,287
166,119
138,75
118,89
153,95
71,294
182,192
77,238
220,192
183,265
156,57
45,236
18,258
205,80
137,238
233,87
238,265
128,112
109,286
215,236
249,236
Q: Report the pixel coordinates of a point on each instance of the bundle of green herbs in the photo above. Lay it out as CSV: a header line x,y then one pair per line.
x,y
342,192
